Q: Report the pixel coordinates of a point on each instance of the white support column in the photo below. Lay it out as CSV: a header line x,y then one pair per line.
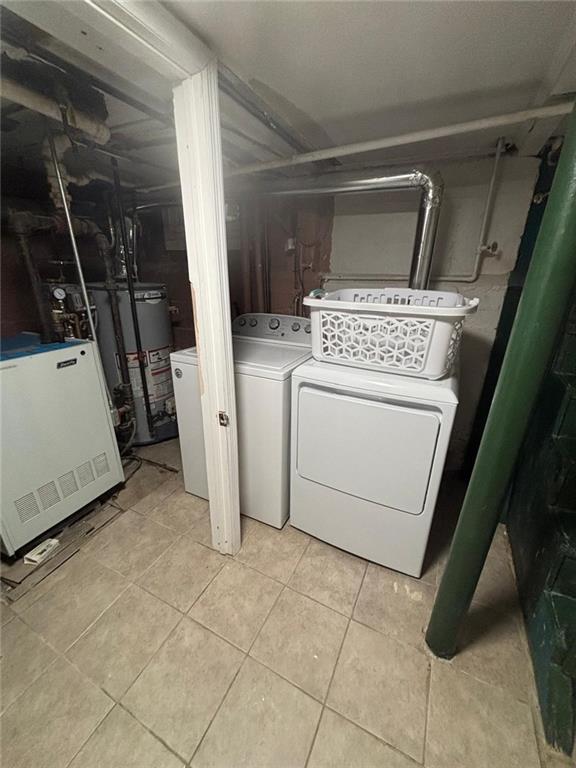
x,y
197,121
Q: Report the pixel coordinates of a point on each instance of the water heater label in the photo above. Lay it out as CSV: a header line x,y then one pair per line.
x,y
158,374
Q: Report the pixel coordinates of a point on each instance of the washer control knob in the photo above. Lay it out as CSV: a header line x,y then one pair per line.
x,y
253,322
242,321
274,324
307,328
295,326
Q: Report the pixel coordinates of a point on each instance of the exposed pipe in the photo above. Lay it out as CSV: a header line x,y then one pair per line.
x,y
480,250
123,156
75,252
110,285
426,228
545,300
456,129
486,218
414,159
429,212
132,297
160,113
241,93
38,102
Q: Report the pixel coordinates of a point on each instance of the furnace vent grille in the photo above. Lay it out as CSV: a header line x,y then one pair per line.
x,y
27,507
48,495
68,484
101,464
85,473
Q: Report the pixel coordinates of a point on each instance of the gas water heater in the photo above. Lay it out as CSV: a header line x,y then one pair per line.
x,y
156,336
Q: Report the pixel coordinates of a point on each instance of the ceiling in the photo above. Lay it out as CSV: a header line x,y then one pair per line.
x,y
337,72
352,71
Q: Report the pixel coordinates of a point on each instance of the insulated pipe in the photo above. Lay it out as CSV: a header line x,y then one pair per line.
x,y
545,299
428,215
37,102
457,129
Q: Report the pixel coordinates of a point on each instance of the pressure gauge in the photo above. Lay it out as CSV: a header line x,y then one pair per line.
x,y
59,293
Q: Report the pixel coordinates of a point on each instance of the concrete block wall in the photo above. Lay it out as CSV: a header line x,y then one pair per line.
x,y
374,235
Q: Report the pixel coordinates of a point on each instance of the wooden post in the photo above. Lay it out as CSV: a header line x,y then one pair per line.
x,y
197,122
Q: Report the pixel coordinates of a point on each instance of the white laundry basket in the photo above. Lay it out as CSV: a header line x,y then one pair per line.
x,y
397,330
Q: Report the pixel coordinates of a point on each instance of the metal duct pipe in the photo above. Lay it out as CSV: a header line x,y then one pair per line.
x,y
38,102
426,228
432,188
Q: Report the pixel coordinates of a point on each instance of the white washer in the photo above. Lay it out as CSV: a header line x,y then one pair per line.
x,y
368,450
267,348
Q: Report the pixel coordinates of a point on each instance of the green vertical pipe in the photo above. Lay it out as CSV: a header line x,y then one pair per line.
x,y
547,291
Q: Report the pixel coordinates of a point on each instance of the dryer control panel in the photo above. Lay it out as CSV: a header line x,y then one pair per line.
x,y
260,325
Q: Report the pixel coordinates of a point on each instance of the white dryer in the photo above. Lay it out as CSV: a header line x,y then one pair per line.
x,y
368,450
267,348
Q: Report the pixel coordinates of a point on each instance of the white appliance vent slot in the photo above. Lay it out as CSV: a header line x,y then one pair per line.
x,y
101,464
48,495
27,507
85,473
68,484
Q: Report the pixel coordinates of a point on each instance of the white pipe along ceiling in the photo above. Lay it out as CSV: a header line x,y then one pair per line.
x,y
415,137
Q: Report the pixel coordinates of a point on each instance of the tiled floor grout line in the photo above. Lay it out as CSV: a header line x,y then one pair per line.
x,y
218,708
75,755
345,634
151,732
65,651
246,653
428,707
183,617
284,586
46,668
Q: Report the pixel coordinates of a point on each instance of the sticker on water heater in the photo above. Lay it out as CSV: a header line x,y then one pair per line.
x,y
158,373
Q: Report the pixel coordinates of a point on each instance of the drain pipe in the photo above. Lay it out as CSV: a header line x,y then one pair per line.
x,y
545,299
429,212
132,297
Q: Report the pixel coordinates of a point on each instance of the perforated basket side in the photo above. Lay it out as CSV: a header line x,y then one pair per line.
x,y
379,341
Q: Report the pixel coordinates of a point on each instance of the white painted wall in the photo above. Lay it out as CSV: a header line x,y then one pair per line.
x,y
374,235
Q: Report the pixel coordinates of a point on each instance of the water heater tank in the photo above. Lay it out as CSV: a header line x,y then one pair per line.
x,y
156,336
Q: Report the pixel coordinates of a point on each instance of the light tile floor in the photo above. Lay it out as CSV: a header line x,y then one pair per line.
x,y
148,649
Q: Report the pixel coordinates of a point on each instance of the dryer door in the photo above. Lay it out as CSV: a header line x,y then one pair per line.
x,y
378,451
